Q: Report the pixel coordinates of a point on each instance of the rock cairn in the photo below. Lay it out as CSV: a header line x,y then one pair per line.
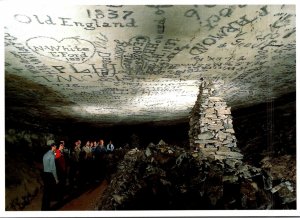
x,y
211,128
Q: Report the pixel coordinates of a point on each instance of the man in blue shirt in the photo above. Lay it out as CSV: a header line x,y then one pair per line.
x,y
49,175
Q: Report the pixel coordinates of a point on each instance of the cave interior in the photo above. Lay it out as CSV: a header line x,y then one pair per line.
x,y
133,74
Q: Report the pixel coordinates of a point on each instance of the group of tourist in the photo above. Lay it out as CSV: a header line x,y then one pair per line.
x,y
72,167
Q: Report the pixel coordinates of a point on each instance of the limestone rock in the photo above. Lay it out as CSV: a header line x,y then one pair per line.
x,y
161,142
222,136
224,148
205,135
231,178
229,130
231,154
208,149
209,111
206,141
148,152
215,98
223,111
215,127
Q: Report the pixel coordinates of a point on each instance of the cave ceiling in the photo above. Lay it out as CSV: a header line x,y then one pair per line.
x,y
111,64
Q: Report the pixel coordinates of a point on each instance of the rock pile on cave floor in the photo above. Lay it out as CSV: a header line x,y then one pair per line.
x,y
165,177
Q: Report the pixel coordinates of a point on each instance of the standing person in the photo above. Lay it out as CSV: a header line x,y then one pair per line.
x,y
94,145
87,149
61,170
110,147
49,175
100,160
102,146
87,162
93,166
74,163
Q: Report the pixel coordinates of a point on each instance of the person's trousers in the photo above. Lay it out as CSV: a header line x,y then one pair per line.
x,y
49,189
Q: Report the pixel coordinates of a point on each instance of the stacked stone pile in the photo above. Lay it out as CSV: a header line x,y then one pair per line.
x,y
215,135
194,120
216,127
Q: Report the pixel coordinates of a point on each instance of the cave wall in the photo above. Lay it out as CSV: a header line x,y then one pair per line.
x,y
24,150
267,129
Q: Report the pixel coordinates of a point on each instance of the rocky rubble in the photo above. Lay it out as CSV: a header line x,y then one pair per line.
x,y
282,173
171,178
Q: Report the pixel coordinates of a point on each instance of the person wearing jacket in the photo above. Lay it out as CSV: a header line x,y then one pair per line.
x,y
61,169
50,178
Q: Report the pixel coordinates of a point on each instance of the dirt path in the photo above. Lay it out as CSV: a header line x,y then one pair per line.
x,y
86,201
78,201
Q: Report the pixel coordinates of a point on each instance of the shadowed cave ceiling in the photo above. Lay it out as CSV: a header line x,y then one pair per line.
x,y
117,64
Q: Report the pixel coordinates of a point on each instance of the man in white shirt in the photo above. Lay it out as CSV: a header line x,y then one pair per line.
x,y
110,147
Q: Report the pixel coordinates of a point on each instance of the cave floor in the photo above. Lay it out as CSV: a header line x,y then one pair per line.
x,y
80,200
